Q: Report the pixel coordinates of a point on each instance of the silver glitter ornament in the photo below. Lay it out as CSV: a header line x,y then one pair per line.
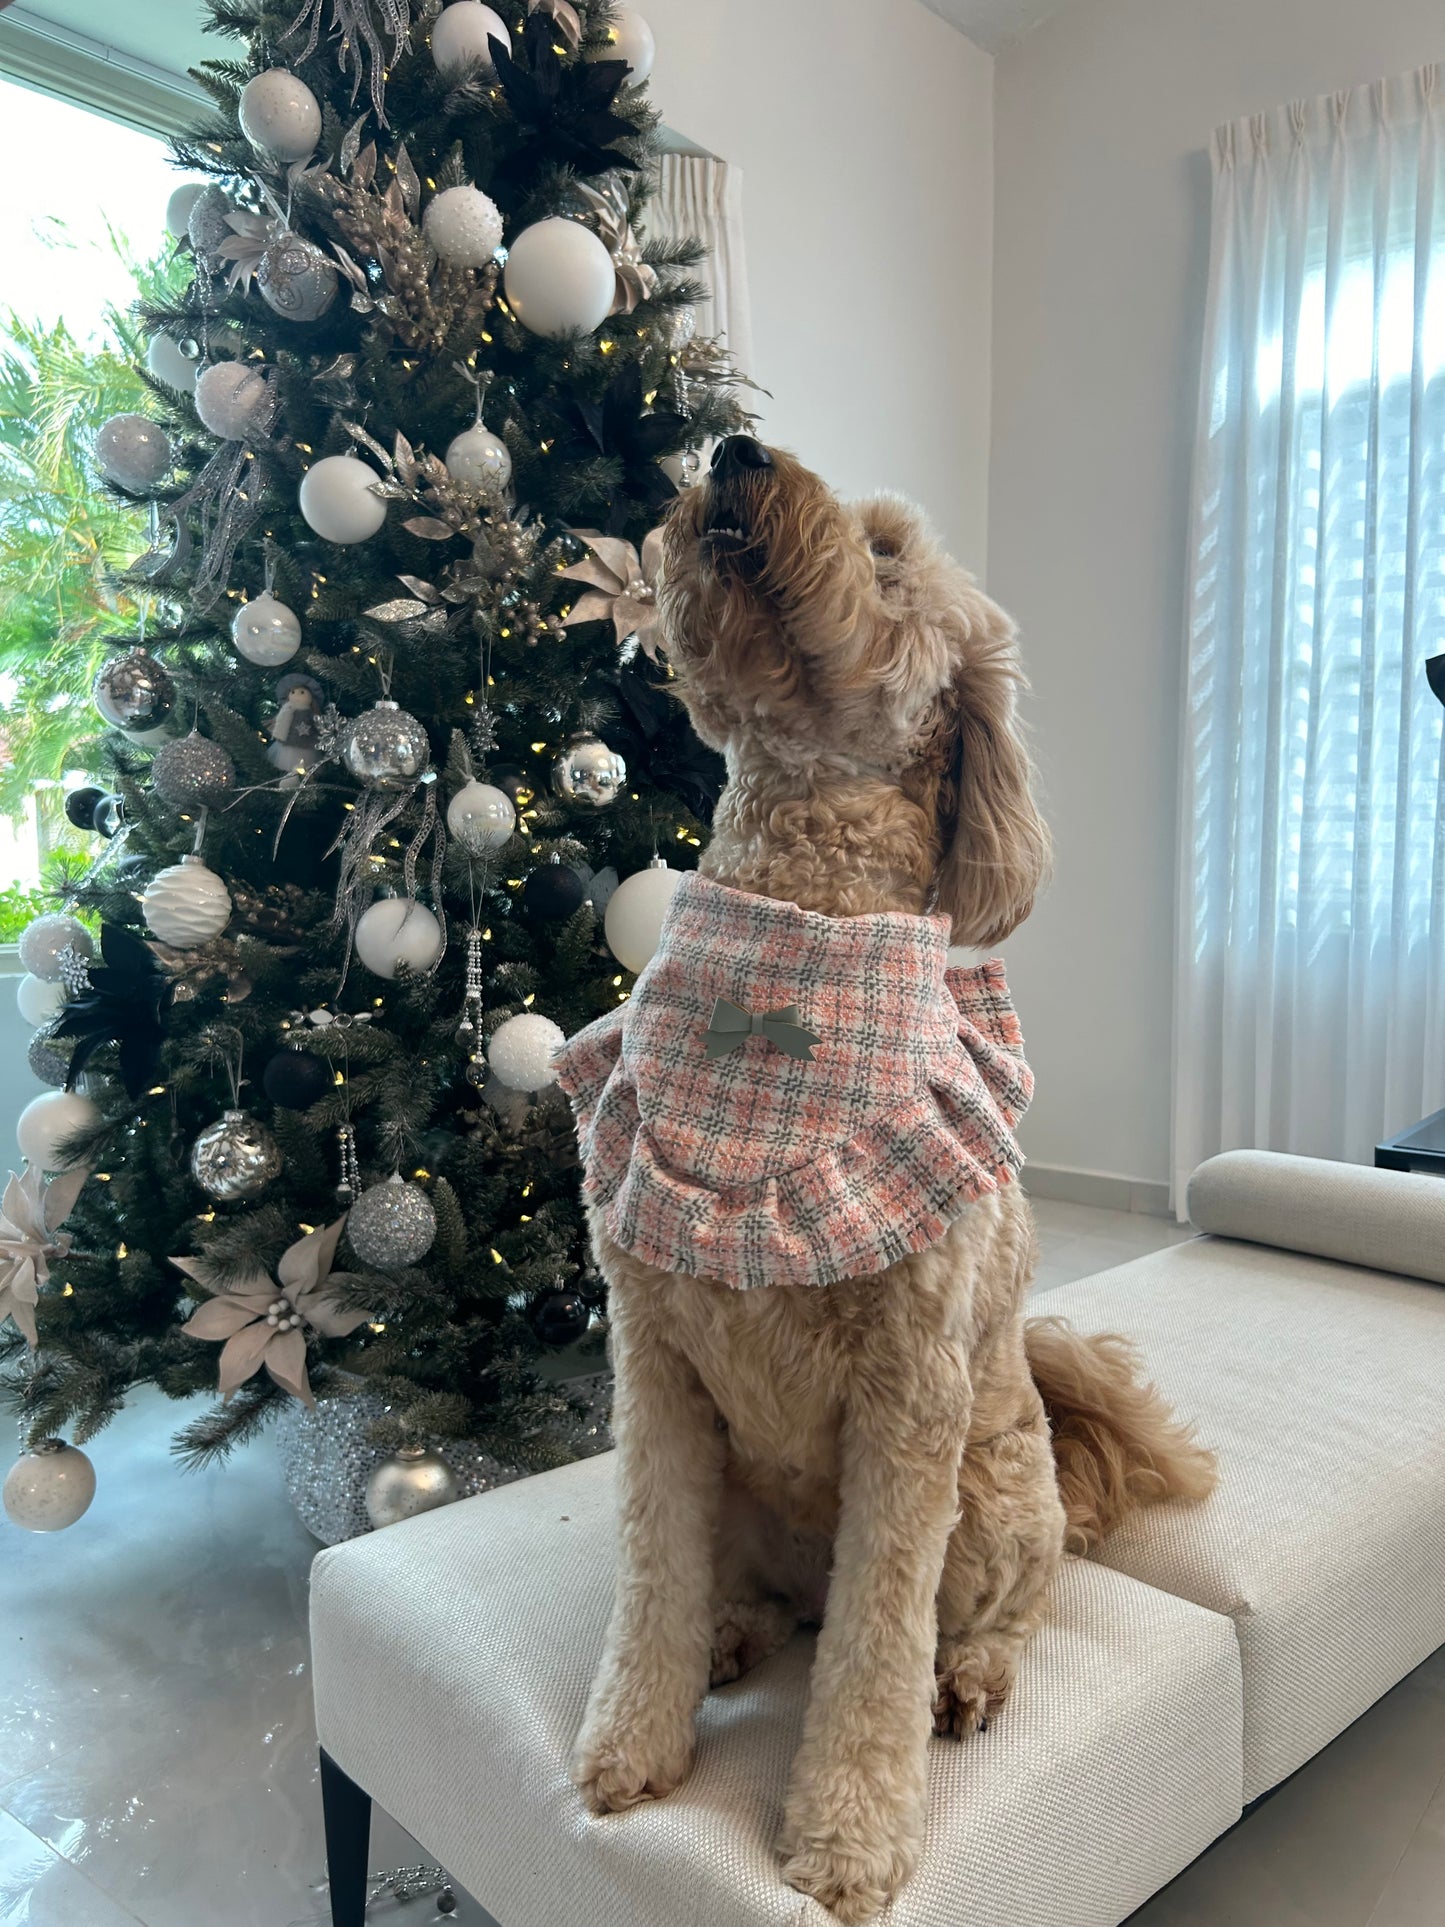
x,y
391,1224
133,691
235,1158
46,1061
414,1479
296,279
192,772
209,225
588,771
386,747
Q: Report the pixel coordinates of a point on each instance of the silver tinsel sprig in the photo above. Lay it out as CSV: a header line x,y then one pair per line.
x,y
359,25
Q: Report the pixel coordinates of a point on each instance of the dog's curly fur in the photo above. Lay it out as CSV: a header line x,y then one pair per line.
x,y
875,1456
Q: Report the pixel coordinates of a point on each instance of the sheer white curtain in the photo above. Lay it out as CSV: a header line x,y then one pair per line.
x,y
1310,1001
702,197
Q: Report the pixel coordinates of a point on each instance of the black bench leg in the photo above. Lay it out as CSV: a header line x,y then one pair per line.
x,y
347,1811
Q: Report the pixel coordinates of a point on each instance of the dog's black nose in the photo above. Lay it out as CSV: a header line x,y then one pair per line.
x,y
737,455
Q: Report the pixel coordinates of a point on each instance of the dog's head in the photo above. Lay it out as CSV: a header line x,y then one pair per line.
x,y
799,624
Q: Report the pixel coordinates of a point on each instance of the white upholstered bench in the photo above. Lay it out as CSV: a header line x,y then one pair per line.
x,y
1201,1657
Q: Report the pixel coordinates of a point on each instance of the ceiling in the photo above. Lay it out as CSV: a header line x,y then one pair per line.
x,y
992,24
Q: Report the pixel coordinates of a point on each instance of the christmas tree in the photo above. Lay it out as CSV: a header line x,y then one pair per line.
x,y
391,733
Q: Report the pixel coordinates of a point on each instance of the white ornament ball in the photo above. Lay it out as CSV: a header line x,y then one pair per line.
x,y
178,208
38,999
397,931
234,399
186,905
42,941
166,362
481,817
629,38
459,38
478,457
265,631
47,1121
520,1051
49,1488
132,452
464,226
280,115
559,278
414,1480
337,499
635,913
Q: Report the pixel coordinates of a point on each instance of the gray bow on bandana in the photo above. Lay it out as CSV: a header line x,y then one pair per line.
x,y
729,1025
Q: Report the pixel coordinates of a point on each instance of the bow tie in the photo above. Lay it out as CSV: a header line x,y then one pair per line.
x,y
729,1025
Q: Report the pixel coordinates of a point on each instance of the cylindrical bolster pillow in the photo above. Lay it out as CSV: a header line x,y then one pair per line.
x,y
1388,1220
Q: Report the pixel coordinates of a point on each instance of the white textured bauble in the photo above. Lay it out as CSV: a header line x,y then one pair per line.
x,y
459,38
166,362
397,931
629,38
47,1121
280,115
520,1051
234,399
49,1488
132,452
559,278
414,1480
464,226
42,941
337,499
481,817
391,1224
478,457
236,1157
186,905
635,911
38,1000
265,631
178,208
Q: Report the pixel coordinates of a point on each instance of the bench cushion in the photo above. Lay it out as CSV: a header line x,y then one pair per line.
x,y
452,1660
1322,1389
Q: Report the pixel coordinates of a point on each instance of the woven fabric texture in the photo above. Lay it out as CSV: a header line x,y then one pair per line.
x,y
1388,1220
452,1658
1322,1389
758,1168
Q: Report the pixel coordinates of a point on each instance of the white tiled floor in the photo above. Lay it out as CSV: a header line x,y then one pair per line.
x,y
157,1754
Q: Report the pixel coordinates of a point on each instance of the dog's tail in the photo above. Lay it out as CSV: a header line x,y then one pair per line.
x,y
1117,1444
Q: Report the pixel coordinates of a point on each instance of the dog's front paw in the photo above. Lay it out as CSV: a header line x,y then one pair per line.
x,y
746,1633
855,1880
972,1682
617,1769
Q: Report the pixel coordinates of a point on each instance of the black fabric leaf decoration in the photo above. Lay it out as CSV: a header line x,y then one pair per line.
x,y
125,1004
564,110
656,739
618,427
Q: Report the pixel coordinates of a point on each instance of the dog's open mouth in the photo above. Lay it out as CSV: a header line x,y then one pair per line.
x,y
725,531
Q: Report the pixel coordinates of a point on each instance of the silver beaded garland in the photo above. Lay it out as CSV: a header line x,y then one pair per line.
x,y
133,691
192,772
385,747
588,771
469,1030
391,1224
235,1158
296,279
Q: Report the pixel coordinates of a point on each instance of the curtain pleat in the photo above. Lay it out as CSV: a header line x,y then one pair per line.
x,y
701,197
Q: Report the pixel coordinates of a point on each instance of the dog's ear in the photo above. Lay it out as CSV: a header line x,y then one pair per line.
x,y
995,844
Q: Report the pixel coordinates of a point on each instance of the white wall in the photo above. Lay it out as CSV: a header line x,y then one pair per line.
x,y
1101,223
864,132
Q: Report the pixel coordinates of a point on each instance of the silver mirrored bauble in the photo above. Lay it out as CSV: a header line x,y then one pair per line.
x,y
296,279
49,1058
386,747
209,224
132,452
391,1224
414,1479
589,772
192,772
49,1488
481,817
133,691
235,1158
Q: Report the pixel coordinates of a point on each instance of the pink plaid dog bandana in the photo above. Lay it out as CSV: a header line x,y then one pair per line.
x,y
793,1099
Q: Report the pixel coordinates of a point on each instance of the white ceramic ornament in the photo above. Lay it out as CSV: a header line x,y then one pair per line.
x,y
38,1000
463,225
47,1121
559,278
178,208
481,817
460,35
478,457
166,362
337,500
635,911
234,399
265,631
49,1488
186,905
42,941
398,930
629,38
520,1051
132,452
280,115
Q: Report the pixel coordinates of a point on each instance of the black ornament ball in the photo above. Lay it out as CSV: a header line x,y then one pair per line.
x,y
512,780
559,1317
554,891
80,807
296,1079
109,816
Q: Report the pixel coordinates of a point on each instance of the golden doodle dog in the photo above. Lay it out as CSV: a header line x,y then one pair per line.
x,y
899,1456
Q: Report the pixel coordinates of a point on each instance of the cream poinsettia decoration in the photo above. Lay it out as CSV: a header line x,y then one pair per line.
x,y
565,17
621,585
265,1323
636,281
31,1214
